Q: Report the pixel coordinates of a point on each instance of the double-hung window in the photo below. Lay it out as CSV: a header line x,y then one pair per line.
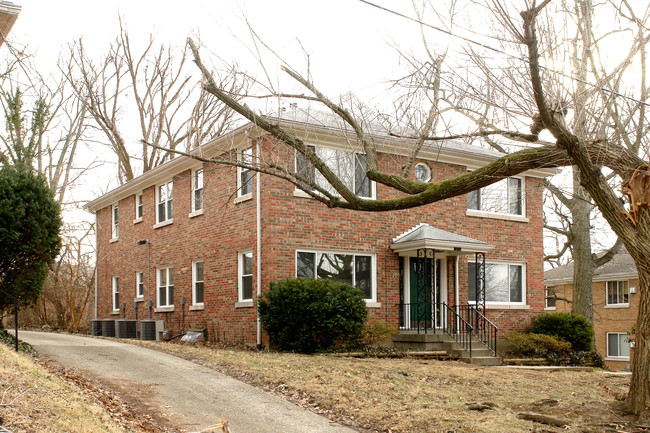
x,y
550,298
165,293
138,207
115,221
504,283
246,276
503,197
139,284
197,190
197,283
116,293
357,270
165,200
618,293
349,167
245,175
618,345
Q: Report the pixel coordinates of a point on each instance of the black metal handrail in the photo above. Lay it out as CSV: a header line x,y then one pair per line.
x,y
484,330
436,317
459,329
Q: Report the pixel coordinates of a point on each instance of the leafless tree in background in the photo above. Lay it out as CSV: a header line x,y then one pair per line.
x,y
153,89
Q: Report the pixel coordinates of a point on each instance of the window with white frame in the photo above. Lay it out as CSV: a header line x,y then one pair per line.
x,y
245,175
139,284
165,201
618,293
351,168
549,297
618,345
357,270
503,197
165,293
139,212
504,283
197,283
197,190
115,221
116,293
246,276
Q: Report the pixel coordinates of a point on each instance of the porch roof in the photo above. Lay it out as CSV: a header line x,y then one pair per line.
x,y
425,236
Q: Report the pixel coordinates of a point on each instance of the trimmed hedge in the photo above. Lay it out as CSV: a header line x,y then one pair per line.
x,y
305,315
573,328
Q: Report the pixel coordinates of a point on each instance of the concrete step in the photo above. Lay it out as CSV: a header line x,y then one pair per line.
x,y
483,360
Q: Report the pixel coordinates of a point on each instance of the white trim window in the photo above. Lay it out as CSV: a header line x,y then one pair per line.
x,y
245,276
618,293
197,190
358,270
115,221
503,197
165,202
618,346
139,210
165,285
115,293
505,283
549,298
197,283
350,167
139,284
245,175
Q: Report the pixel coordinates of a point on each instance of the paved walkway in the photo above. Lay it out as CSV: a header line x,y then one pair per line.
x,y
189,396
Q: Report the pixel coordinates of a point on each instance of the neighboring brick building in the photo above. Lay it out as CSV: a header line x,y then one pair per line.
x,y
215,235
615,304
8,16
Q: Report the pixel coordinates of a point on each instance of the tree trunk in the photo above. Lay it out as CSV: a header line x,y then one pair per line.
x,y
639,396
583,262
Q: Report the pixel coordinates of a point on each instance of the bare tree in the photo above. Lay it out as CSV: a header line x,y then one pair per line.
x,y
68,292
153,86
47,136
510,99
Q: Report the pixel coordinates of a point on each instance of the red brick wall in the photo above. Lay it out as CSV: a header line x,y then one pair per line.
x,y
290,223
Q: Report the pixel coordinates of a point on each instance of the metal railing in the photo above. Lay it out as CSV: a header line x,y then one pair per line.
x,y
436,317
484,330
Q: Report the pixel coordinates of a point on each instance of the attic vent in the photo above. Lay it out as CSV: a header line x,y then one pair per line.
x,y
126,328
108,327
96,327
150,330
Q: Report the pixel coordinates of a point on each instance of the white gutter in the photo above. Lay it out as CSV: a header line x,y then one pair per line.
x,y
456,299
258,208
96,261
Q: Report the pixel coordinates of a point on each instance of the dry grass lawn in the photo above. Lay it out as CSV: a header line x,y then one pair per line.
x,y
409,395
34,400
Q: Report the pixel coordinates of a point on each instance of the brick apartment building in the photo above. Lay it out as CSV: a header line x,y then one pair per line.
x,y
214,236
615,304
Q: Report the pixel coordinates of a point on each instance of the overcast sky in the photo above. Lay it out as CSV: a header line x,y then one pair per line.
x,y
349,42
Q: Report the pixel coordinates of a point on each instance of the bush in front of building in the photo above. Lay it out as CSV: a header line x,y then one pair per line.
x,y
569,327
529,345
306,315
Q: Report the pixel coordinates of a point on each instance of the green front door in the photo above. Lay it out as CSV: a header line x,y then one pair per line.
x,y
424,302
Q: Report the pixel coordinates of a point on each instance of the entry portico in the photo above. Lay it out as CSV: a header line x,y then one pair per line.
x,y
426,304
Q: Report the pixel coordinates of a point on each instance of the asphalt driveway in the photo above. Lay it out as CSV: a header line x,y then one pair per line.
x,y
187,396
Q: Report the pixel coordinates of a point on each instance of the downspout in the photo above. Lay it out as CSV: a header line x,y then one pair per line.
x,y
258,208
456,292
96,262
